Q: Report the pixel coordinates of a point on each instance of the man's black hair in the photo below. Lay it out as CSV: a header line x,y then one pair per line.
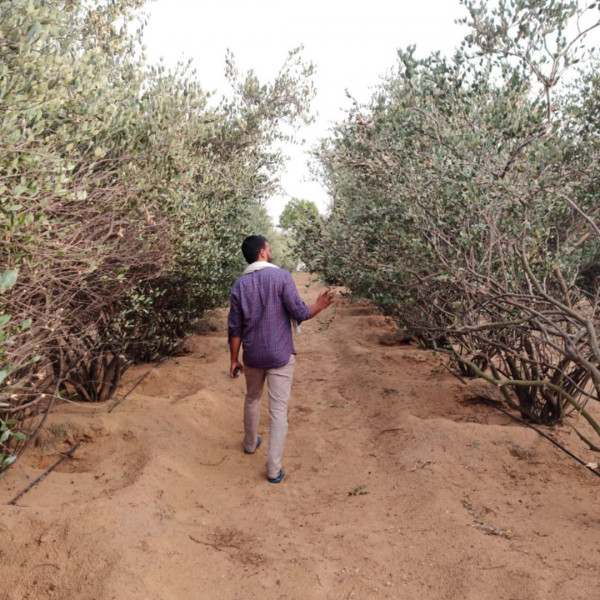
x,y
251,247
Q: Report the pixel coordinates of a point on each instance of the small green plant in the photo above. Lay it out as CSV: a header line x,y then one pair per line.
x,y
359,490
7,433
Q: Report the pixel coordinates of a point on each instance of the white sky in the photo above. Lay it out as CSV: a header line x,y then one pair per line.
x,y
352,43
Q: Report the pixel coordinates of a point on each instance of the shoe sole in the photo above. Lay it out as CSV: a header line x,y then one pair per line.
x,y
258,443
278,478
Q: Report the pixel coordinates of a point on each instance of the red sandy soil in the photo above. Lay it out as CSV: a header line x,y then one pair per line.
x,y
400,484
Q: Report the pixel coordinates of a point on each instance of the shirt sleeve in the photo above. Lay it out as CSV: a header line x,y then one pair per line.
x,y
234,319
296,308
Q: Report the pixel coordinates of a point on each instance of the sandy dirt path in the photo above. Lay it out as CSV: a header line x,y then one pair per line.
x,y
400,484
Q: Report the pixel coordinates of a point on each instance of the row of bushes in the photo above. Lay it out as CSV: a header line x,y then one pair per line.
x,y
125,193
466,204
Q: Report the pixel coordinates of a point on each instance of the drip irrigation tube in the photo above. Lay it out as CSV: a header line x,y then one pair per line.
x,y
43,475
73,448
557,444
519,420
160,362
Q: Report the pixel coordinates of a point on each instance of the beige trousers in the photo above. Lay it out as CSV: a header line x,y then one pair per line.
x,y
279,384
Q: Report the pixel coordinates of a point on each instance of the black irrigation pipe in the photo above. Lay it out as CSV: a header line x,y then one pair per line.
x,y
160,362
519,420
44,474
557,444
73,448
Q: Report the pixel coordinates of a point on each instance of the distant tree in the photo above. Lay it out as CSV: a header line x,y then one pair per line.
x,y
296,212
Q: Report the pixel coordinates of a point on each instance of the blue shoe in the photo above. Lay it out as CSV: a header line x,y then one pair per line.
x,y
258,443
278,478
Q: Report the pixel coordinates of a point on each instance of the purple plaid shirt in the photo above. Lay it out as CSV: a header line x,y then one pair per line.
x,y
262,304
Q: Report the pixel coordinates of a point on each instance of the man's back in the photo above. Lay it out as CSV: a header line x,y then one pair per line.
x,y
262,304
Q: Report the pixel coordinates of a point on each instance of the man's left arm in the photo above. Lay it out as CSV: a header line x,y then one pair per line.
x,y
297,308
326,298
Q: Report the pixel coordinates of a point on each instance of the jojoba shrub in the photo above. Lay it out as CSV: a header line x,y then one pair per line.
x,y
125,193
465,204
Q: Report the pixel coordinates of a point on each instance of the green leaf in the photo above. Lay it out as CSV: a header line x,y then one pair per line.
x,y
9,461
8,279
19,190
33,31
4,373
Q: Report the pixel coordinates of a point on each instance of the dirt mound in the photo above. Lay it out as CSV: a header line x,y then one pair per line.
x,y
400,484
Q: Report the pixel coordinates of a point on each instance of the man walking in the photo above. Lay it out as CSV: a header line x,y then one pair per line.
x,y
264,305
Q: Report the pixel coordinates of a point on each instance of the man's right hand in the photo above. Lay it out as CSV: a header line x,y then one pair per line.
x,y
235,366
235,369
